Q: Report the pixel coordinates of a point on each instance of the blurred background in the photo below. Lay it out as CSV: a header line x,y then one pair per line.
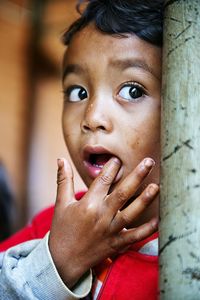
x,y
30,106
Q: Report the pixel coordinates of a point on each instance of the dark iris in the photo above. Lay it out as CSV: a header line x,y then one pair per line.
x,y
82,94
135,92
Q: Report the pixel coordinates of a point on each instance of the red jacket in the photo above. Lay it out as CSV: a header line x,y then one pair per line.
x,y
132,275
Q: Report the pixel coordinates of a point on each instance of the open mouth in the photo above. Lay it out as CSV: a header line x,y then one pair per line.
x,y
99,160
94,159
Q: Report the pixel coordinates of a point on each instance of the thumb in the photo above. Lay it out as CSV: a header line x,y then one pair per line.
x,y
65,182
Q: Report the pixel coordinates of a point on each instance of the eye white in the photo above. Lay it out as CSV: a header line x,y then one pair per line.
x,y
77,94
131,93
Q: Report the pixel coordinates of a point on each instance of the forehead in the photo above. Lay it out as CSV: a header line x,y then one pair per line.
x,y
89,46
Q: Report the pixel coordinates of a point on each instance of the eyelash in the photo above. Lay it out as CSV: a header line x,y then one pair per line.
x,y
134,84
67,92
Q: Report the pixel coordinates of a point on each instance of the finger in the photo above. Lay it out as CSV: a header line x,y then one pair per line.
x,y
101,185
129,185
130,236
65,183
125,217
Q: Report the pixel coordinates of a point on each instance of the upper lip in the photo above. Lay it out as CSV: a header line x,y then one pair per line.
x,y
94,149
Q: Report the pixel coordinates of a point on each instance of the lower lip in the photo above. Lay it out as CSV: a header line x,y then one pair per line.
x,y
94,171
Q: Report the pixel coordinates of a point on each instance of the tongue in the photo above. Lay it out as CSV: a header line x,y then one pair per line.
x,y
101,159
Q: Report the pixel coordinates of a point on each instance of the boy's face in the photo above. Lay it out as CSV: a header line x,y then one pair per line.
x,y
111,102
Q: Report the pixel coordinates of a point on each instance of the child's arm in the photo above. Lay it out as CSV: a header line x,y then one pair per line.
x,y
27,272
85,232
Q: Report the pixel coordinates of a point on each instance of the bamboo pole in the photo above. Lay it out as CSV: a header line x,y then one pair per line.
x,y
180,159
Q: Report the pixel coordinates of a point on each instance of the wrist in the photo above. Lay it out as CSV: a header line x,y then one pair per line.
x,y
68,266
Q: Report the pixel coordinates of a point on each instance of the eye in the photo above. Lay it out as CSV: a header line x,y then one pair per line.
x,y
75,93
131,92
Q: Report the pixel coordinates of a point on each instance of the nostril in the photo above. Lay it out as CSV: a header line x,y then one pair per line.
x,y
102,127
85,127
93,127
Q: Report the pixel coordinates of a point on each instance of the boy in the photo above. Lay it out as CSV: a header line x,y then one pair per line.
x,y
111,121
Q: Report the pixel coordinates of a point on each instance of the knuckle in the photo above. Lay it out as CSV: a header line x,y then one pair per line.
x,y
135,236
140,173
148,195
147,199
138,236
62,178
91,209
106,179
144,200
143,232
125,218
92,213
122,195
115,243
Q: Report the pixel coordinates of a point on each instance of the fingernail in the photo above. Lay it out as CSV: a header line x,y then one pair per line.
x,y
60,162
116,160
152,189
149,162
154,223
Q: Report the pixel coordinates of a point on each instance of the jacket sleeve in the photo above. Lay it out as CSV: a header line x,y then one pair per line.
x,y
27,272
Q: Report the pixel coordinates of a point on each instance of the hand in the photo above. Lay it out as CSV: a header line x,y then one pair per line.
x,y
85,232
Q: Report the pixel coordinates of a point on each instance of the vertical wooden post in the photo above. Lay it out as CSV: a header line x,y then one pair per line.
x,y
180,161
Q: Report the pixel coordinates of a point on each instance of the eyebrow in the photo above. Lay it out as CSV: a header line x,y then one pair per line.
x,y
119,64
132,63
72,69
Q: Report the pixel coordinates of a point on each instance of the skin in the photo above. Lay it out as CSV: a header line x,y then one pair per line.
x,y
105,68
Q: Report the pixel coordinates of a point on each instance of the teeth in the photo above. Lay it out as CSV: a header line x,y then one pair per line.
x,y
98,166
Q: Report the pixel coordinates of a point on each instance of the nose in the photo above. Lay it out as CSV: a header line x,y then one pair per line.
x,y
97,117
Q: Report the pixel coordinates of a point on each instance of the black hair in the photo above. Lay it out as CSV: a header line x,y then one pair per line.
x,y
143,18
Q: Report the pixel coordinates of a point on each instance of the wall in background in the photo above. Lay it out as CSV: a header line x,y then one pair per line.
x,y
31,102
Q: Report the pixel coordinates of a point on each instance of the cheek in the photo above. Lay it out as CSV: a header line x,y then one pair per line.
x,y
69,131
65,128
143,139
150,129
